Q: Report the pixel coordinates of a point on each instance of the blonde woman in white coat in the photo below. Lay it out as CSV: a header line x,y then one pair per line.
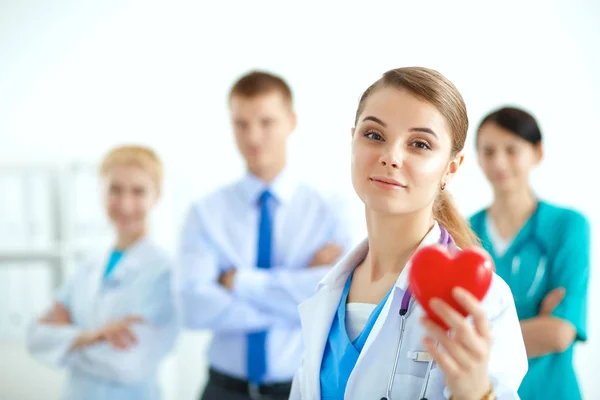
x,y
114,320
407,143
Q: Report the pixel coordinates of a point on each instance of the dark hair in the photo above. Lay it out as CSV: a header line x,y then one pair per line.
x,y
257,83
517,121
437,90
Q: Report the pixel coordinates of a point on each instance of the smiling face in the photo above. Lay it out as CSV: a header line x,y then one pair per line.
x,y
505,158
401,152
129,194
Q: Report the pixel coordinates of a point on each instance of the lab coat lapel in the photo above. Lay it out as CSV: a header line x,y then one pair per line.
x,y
92,289
130,263
316,315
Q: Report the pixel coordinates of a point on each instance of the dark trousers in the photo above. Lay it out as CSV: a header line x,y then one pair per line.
x,y
223,387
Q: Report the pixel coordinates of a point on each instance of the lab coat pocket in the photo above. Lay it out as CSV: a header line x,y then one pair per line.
x,y
407,387
416,363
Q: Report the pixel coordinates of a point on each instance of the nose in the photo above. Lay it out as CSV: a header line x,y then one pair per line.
x,y
499,161
391,159
126,204
253,135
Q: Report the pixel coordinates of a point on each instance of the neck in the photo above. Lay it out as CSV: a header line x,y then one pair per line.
x,y
513,206
393,239
126,239
268,174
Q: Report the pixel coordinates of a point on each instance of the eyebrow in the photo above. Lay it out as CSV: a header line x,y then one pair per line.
x,y
418,129
376,120
425,130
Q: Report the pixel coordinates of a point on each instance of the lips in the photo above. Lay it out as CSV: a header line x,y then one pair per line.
x,y
387,181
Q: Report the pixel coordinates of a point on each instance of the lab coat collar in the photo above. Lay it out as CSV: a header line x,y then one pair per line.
x,y
339,273
131,261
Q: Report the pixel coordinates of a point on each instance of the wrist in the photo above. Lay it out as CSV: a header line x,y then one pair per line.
x,y
90,337
480,394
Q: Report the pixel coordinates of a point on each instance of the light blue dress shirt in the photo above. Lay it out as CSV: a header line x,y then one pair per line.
x,y
221,233
141,286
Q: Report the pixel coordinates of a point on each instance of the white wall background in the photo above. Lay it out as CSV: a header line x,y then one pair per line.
x,y
77,78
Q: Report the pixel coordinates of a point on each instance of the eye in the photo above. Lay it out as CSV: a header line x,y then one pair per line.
x,y
487,152
139,191
373,135
421,144
241,125
114,189
267,122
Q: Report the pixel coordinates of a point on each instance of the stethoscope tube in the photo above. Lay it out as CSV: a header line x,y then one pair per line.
x,y
445,240
388,393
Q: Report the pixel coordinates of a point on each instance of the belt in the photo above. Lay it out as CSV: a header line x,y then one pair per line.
x,y
246,387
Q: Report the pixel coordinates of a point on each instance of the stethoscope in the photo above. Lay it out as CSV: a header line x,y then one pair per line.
x,y
445,240
531,238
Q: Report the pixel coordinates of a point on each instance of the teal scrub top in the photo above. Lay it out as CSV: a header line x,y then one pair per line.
x,y
340,355
552,250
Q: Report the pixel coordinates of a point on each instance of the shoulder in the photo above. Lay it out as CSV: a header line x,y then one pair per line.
x,y
309,193
477,218
563,220
156,260
324,205
216,198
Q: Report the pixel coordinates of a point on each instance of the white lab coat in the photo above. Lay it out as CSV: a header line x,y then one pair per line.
x,y
139,285
370,376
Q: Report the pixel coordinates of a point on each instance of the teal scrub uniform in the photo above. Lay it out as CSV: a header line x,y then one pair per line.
x,y
552,250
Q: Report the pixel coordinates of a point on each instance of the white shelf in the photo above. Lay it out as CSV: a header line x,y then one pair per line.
x,y
49,220
26,254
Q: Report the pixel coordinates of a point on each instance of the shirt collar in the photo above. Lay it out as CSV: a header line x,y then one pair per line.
x,y
282,187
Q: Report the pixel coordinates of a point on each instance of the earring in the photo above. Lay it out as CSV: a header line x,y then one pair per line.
x,y
443,186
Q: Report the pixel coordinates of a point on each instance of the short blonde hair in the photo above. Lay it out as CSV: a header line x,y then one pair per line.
x,y
134,155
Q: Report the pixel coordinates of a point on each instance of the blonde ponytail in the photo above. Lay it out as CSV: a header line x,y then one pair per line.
x,y
448,216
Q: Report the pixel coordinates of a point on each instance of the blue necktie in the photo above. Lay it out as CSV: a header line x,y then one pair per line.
x,y
257,364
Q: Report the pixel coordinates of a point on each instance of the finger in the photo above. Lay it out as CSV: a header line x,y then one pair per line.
x,y
47,317
460,326
134,319
474,308
113,340
447,364
121,341
459,353
552,300
129,336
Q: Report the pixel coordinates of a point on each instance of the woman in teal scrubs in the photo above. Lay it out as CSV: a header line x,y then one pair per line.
x,y
541,250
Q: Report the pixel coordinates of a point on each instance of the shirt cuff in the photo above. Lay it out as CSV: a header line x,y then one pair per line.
x,y
250,283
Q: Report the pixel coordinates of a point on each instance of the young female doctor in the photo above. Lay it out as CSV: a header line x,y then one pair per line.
x,y
541,250
114,320
364,337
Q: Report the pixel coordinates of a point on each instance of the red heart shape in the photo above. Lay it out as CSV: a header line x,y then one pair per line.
x,y
434,272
